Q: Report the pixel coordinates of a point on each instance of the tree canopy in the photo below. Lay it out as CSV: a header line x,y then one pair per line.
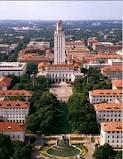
x,y
104,152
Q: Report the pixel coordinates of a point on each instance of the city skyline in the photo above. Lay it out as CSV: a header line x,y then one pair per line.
x,y
65,10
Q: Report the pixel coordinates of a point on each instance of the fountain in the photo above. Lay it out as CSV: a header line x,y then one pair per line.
x,y
63,149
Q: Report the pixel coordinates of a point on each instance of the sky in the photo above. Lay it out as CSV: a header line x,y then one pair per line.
x,y
65,10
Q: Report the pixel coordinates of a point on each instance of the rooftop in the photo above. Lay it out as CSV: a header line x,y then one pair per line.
x,y
5,81
113,68
108,106
106,92
112,126
10,127
13,104
117,83
15,93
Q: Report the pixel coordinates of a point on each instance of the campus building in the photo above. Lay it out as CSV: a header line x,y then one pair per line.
x,y
104,95
12,68
14,111
108,112
60,70
111,133
14,130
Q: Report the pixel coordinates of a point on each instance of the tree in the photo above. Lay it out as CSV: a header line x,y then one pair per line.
x,y
118,155
81,114
21,150
104,152
50,116
31,67
6,149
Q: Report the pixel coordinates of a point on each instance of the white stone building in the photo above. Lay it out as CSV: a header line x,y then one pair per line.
x,y
15,131
108,112
112,133
104,95
41,45
14,111
12,68
60,71
59,44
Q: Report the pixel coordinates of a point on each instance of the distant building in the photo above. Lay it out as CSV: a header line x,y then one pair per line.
x,y
74,44
91,41
14,111
106,47
34,57
5,82
12,68
104,95
108,111
4,48
15,131
41,45
104,57
111,133
113,72
117,84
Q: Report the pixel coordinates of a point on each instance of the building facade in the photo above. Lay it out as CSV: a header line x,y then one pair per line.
x,y
60,72
108,112
104,95
111,133
59,44
12,68
14,111
15,131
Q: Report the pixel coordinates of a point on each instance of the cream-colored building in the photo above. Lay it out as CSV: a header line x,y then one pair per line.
x,y
104,95
14,130
59,44
111,133
14,111
108,112
60,71
12,68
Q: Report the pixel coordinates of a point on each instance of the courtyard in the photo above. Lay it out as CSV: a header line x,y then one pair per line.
x,y
62,91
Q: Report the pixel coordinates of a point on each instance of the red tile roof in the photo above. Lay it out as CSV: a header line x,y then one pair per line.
x,y
108,107
112,126
106,92
5,81
113,68
15,93
10,127
13,104
117,83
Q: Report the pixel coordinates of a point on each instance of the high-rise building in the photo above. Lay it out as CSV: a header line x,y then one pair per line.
x,y
59,44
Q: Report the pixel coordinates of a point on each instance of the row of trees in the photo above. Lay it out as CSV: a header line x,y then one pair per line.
x,y
15,149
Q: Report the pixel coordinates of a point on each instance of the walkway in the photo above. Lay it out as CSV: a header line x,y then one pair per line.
x,y
62,91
